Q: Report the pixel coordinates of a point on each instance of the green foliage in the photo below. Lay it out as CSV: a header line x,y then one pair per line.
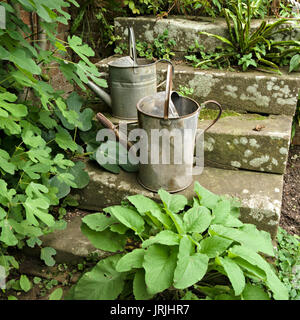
x,y
160,48
250,48
288,262
40,144
180,246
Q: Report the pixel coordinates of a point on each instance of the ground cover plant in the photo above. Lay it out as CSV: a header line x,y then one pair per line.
x,y
183,250
250,48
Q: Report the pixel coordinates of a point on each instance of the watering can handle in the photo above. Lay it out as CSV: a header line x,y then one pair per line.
x,y
108,124
131,45
173,70
218,116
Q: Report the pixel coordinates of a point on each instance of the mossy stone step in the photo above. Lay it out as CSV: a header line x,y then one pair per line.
x,y
259,193
244,141
251,91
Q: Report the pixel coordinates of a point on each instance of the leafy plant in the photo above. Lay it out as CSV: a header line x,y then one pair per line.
x,y
288,262
178,245
40,146
253,48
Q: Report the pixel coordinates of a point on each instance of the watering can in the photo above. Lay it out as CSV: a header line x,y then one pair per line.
x,y
163,112
130,79
154,113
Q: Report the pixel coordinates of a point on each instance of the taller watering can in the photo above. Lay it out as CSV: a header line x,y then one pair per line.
x,y
167,132
130,79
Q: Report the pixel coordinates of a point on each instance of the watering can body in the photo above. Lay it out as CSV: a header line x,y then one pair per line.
x,y
130,79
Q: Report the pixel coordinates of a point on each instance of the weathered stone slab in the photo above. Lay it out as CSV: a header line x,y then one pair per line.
x,y
251,91
70,244
260,193
185,30
232,143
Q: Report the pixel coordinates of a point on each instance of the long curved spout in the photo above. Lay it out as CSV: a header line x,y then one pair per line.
x,y
101,93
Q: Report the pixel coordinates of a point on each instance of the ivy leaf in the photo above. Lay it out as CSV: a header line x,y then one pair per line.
x,y
47,254
36,207
103,282
7,236
20,58
25,283
64,139
131,260
5,164
190,268
159,264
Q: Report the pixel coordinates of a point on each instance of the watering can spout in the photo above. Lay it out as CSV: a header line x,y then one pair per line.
x,y
101,93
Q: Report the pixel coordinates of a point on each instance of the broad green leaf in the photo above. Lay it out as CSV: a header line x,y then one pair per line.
x,y
166,237
234,273
19,57
105,240
248,235
98,221
81,177
103,282
277,287
46,256
159,264
131,260
174,203
129,218
252,292
25,283
294,63
7,235
139,286
190,268
197,219
62,187
221,211
206,198
214,246
119,228
31,135
143,204
46,120
56,294
3,213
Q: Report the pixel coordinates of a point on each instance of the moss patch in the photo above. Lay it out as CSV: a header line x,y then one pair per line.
x,y
209,114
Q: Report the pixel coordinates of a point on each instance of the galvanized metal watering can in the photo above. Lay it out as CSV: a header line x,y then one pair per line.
x,y
164,113
176,173
130,79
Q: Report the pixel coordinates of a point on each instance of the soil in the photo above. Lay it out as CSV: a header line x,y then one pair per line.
x,y
290,211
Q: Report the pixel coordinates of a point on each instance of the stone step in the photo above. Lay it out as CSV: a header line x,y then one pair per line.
x,y
260,193
185,30
251,91
232,143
